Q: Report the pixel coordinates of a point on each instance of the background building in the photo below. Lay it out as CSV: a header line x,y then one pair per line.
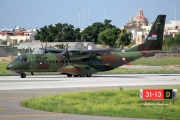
x,y
138,27
172,28
17,35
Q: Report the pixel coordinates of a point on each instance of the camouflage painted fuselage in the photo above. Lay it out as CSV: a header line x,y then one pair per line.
x,y
59,63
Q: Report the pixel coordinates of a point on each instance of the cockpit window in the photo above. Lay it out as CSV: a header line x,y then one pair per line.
x,y
17,59
24,59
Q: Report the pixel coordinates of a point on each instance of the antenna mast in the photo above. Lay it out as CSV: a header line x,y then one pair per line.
x,y
175,15
84,20
88,18
105,11
79,18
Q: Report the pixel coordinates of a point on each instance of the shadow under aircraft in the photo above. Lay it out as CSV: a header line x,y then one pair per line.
x,y
87,62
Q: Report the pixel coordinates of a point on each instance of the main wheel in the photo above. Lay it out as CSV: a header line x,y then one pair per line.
x,y
23,75
75,75
69,75
88,75
81,75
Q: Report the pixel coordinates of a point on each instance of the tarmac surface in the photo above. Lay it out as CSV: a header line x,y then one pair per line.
x,y
13,89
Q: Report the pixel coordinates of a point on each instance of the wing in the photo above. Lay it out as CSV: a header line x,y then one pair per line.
x,y
51,50
81,67
81,54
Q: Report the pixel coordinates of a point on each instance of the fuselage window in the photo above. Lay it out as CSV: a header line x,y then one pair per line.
x,y
56,61
53,61
49,61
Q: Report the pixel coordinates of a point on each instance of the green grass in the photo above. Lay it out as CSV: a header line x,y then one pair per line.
x,y
139,71
157,61
3,70
115,103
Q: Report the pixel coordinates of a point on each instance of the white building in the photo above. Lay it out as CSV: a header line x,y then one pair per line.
x,y
172,28
17,35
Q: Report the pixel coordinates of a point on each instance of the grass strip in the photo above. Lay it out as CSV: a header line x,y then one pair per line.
x,y
139,71
115,103
157,61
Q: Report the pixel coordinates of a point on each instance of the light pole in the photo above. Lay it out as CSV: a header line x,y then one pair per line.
x,y
29,41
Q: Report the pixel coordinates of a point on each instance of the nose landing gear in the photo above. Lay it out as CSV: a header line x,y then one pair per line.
x,y
23,75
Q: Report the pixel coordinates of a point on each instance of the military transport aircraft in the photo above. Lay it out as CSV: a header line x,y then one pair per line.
x,y
87,62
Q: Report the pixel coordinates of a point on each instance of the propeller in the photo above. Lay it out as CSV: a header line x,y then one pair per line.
x,y
44,49
66,54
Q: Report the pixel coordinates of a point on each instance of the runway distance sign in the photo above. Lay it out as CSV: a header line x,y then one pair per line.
x,y
158,94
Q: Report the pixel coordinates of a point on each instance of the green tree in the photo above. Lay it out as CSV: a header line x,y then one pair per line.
x,y
4,42
124,38
10,49
109,36
91,32
61,46
132,43
77,35
168,42
177,41
26,51
57,33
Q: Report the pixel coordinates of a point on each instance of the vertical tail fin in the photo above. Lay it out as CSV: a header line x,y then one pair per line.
x,y
154,39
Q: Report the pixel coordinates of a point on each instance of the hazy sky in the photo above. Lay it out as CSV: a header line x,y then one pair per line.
x,y
38,13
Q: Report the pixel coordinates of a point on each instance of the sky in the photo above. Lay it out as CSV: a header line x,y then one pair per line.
x,y
38,13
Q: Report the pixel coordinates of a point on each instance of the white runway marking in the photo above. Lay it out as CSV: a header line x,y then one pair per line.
x,y
61,81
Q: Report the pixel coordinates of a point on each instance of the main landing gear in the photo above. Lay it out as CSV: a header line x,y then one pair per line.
x,y
80,75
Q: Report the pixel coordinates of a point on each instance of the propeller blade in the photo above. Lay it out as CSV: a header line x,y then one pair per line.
x,y
42,47
45,48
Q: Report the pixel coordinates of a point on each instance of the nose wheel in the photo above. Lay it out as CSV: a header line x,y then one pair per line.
x,y
23,75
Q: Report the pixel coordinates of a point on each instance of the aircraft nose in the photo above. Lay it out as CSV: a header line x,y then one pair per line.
x,y
10,67
7,67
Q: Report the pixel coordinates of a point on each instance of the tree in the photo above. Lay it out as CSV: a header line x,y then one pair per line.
x,y
91,32
109,36
77,35
4,42
61,46
132,43
177,41
57,33
124,38
168,42
26,51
